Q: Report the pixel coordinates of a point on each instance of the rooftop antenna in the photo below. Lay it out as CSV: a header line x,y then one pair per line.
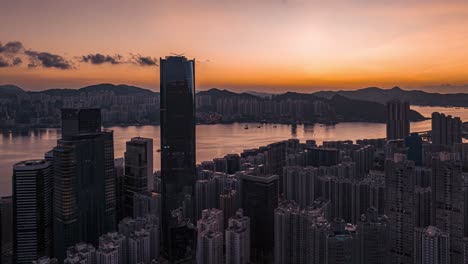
x,y
178,54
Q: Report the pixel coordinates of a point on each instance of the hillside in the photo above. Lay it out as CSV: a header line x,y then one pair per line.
x,y
414,97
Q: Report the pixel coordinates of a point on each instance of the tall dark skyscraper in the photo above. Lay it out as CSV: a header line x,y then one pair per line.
x,y
84,185
398,126
177,113
32,210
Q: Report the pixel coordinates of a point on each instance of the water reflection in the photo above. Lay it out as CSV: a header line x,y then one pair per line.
x,y
212,140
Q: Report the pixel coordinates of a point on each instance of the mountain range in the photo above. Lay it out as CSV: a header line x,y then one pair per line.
x,y
372,94
359,105
414,97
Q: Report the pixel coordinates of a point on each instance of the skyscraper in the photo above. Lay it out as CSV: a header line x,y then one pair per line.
x,y
80,121
446,130
84,187
138,171
287,235
399,207
448,200
259,200
398,126
32,210
177,113
374,237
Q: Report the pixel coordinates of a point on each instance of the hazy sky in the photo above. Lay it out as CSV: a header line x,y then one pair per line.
x,y
274,45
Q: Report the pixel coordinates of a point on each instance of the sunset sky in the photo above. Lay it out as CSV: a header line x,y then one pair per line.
x,y
263,45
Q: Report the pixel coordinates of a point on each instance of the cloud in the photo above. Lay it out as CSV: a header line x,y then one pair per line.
x,y
17,61
144,60
13,53
5,62
98,59
47,60
12,47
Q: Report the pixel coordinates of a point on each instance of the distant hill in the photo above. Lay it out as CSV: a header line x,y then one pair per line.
x,y
414,97
120,89
345,108
10,89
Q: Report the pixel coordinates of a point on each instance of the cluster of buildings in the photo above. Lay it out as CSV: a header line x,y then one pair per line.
x,y
44,108
233,108
396,200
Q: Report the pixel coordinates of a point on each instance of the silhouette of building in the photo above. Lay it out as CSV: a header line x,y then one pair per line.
x,y
177,113
6,216
80,121
112,249
373,230
398,126
220,165
342,244
448,200
32,210
446,130
399,182
299,184
233,163
210,236
259,200
431,245
45,260
139,247
84,187
423,206
81,253
138,173
238,239
414,145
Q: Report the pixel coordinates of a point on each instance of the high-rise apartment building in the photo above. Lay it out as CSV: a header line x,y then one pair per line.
x,y
238,239
431,245
398,124
446,130
448,200
399,207
373,230
32,210
342,244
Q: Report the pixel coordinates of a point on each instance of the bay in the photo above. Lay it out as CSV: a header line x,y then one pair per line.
x,y
212,140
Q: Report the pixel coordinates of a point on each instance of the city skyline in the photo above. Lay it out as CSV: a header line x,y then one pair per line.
x,y
243,45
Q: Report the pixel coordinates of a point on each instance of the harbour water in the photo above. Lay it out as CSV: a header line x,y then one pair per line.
x,y
212,140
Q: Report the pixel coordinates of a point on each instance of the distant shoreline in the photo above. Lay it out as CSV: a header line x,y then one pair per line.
x,y
21,127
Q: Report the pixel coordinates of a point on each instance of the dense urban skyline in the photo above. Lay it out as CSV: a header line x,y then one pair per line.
x,y
241,45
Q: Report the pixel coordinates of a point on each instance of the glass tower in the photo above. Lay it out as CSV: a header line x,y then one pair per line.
x,y
177,112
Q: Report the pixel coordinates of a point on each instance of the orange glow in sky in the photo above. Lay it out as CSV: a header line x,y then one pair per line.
x,y
265,45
